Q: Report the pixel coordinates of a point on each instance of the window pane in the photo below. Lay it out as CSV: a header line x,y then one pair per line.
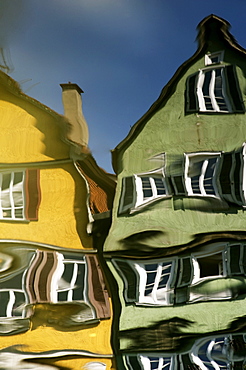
x,y
166,271
154,363
151,270
160,186
147,189
218,92
12,198
5,199
19,213
208,176
211,265
6,180
18,199
205,90
67,274
18,177
4,299
6,213
20,304
62,296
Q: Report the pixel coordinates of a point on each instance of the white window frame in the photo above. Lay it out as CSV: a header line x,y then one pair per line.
x,y
210,56
151,176
163,296
244,174
205,156
196,268
56,280
211,96
163,362
11,302
10,193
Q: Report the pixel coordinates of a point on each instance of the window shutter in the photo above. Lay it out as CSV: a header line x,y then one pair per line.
x,y
97,292
224,177
32,194
178,185
230,178
185,272
237,177
234,90
237,259
191,93
127,194
130,279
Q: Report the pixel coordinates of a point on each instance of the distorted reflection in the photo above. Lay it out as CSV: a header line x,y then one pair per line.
x,y
13,358
176,249
54,279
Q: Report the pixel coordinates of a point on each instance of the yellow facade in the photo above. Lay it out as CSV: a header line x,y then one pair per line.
x,y
33,137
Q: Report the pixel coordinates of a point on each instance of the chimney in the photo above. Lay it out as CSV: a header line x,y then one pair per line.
x,y
72,104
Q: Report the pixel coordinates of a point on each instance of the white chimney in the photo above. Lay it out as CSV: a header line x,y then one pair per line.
x,y
72,103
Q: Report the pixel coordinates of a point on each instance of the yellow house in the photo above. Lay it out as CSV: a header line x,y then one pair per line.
x,y
54,307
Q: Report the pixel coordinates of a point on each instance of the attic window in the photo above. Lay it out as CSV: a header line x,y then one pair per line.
x,y
214,58
214,89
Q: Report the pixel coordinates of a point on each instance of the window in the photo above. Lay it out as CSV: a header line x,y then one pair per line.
x,y
153,283
212,92
208,266
67,277
61,277
214,89
142,189
200,174
149,187
236,259
189,278
156,363
71,285
19,195
217,353
155,286
12,195
232,177
220,352
13,303
214,58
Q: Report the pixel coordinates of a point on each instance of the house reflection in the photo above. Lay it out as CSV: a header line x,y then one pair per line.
x,y
176,249
51,278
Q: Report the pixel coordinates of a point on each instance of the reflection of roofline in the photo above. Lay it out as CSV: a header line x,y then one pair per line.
x,y
135,249
91,168
204,30
12,86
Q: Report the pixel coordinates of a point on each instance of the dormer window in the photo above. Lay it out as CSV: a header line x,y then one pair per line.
x,y
214,89
214,58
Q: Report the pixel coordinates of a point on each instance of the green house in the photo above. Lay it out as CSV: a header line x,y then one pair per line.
x,y
177,244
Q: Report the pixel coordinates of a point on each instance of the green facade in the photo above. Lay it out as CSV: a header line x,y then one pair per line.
x,y
179,209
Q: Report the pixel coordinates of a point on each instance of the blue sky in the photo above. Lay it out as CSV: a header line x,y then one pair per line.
x,y
120,52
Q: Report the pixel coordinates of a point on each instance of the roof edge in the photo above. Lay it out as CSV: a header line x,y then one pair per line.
x,y
202,38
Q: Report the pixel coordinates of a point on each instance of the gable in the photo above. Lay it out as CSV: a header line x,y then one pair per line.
x,y
30,131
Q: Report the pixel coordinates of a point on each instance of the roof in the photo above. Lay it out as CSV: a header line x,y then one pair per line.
x,y
101,185
208,28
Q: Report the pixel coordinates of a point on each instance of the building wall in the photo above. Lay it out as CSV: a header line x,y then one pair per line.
x,y
33,137
173,132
